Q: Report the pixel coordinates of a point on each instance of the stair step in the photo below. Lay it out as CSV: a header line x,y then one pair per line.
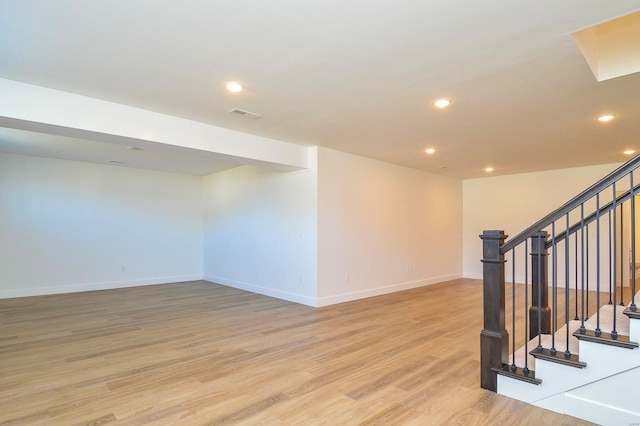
x,y
546,341
518,374
635,313
632,314
605,338
559,357
606,319
606,316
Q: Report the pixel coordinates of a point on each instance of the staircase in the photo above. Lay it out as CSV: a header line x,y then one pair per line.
x,y
600,387
561,324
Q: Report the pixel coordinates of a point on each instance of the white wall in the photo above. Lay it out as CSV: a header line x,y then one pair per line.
x,y
70,226
260,231
384,228
512,203
347,228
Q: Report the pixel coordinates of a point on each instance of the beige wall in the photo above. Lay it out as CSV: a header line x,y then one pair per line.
x,y
513,202
384,228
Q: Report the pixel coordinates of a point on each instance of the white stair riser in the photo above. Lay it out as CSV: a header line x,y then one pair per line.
x,y
634,330
603,392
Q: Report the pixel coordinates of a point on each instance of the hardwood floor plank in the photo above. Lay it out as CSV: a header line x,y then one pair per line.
x,y
101,420
387,379
251,410
31,417
394,414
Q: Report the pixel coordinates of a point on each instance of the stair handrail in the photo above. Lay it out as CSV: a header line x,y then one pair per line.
x,y
625,196
585,195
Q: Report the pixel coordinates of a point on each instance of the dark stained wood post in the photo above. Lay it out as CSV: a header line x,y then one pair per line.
x,y
539,287
494,339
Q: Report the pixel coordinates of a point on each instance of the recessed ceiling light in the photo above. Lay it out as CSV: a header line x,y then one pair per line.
x,y
430,151
488,169
442,103
605,118
629,152
234,87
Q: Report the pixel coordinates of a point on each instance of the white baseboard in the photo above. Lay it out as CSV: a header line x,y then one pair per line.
x,y
362,294
473,275
266,291
328,300
76,288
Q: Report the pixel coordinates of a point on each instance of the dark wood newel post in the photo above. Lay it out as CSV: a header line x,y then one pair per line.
x,y
539,287
494,339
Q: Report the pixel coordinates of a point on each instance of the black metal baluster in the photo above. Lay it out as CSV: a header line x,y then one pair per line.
x,y
582,327
567,353
622,268
540,249
610,257
513,309
614,333
598,331
586,314
525,370
633,306
575,240
554,288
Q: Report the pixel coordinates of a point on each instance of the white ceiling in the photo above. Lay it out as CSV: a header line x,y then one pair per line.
x,y
356,76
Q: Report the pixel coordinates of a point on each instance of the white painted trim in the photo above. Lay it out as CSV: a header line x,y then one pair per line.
x,y
347,297
266,291
597,412
41,291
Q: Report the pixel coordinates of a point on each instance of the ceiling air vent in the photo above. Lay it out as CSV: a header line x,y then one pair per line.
x,y
246,114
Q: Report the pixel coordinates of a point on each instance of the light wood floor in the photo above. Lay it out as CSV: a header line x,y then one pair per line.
x,y
199,353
